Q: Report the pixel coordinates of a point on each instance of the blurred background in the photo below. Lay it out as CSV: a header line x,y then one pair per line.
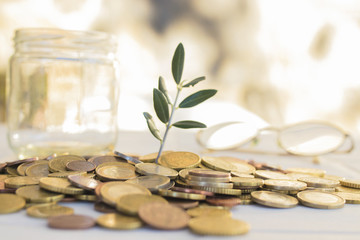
x,y
285,61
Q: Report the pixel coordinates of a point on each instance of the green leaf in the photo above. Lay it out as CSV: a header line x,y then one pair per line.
x,y
177,64
162,88
194,82
189,124
161,106
151,125
197,98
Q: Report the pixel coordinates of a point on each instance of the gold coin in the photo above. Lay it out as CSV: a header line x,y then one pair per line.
x,y
4,176
311,171
154,169
150,158
247,182
118,221
268,174
58,164
210,184
184,172
207,179
319,182
322,200
180,160
38,170
350,183
59,185
285,185
274,199
208,211
347,189
16,182
181,195
352,198
225,191
287,192
35,194
22,167
67,173
115,171
296,176
151,182
12,171
130,204
111,191
321,189
86,197
46,210
333,177
241,175
227,164
11,203
223,226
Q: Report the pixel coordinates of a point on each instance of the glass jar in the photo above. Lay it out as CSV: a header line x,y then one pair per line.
x,y
62,93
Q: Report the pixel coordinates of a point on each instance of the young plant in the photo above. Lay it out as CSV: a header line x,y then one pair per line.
x,y
165,108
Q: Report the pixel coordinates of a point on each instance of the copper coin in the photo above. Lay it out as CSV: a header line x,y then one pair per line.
x,y
208,173
80,166
224,201
71,222
104,208
163,216
97,190
18,162
97,160
183,203
83,182
190,190
2,166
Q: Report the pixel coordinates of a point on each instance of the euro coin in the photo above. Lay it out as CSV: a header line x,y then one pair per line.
x,y
38,170
225,191
163,216
11,203
58,164
353,183
273,199
118,221
247,182
218,226
180,160
115,171
209,211
83,182
286,185
59,185
71,222
319,182
152,182
111,191
268,174
130,204
34,194
316,199
352,198
46,210
154,169
310,171
181,195
16,182
82,166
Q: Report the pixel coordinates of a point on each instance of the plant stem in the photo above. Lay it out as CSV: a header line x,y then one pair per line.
x,y
168,125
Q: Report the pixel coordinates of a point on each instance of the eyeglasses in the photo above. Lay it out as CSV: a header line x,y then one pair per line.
x,y
312,138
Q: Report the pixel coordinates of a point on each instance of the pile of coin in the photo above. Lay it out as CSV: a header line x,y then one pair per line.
x,y
182,190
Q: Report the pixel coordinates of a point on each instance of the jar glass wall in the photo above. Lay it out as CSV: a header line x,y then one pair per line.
x,y
62,93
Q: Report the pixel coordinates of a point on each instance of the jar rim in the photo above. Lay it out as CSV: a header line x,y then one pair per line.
x,y
53,37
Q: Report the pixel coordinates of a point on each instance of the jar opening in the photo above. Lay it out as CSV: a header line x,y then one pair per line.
x,y
68,39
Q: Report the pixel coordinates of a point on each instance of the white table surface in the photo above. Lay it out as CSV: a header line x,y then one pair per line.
x,y
266,223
